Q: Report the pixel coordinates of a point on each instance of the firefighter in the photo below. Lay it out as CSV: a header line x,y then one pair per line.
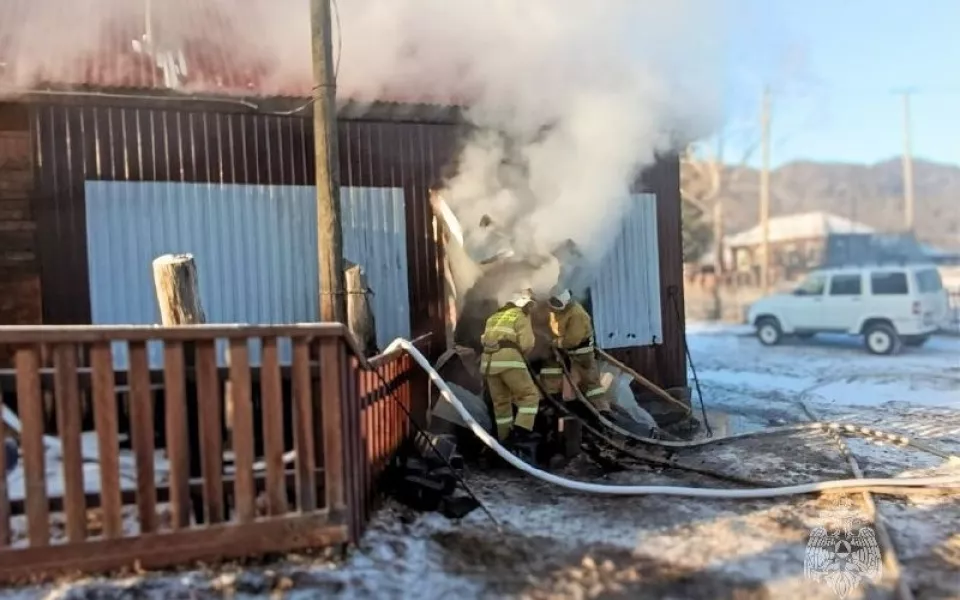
x,y
507,337
572,330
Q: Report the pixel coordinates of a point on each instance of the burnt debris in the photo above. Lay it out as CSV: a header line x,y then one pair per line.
x,y
426,476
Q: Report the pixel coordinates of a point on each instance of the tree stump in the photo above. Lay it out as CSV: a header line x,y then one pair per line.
x,y
360,318
178,290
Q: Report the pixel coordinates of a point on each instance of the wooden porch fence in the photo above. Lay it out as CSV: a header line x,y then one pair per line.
x,y
74,510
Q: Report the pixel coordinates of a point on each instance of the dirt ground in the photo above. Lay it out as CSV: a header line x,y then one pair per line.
x,y
551,542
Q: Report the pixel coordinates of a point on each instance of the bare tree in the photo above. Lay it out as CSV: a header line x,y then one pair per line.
x,y
704,180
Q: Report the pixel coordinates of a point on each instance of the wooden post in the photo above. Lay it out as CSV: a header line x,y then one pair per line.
x,y
178,295
333,305
360,317
178,292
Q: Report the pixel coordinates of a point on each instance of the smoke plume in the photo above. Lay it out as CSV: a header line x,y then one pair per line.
x,y
571,98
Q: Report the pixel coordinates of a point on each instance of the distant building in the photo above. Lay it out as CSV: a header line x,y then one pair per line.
x,y
797,243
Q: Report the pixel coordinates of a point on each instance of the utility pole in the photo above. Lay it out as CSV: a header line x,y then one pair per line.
x,y
719,264
333,303
908,200
765,189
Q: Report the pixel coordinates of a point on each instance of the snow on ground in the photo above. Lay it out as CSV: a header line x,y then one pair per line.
x,y
555,543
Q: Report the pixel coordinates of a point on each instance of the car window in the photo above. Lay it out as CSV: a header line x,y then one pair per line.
x,y
813,285
845,285
888,283
928,281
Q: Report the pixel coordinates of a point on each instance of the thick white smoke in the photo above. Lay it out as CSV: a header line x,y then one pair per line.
x,y
572,98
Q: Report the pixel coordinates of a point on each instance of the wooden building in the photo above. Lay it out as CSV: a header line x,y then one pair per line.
x,y
99,176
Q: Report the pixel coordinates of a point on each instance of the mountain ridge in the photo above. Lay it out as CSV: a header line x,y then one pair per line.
x,y
871,194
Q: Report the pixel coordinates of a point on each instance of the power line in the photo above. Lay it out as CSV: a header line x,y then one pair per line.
x,y
915,90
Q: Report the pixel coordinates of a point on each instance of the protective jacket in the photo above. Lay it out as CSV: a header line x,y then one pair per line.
x,y
573,333
572,329
507,336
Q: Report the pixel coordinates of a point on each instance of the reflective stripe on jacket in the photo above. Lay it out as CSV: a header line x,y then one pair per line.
x,y
509,326
573,329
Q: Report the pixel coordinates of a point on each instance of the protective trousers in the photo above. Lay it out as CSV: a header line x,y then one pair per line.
x,y
509,388
551,377
583,366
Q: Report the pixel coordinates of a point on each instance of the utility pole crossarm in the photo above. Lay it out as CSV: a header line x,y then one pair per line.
x,y
329,233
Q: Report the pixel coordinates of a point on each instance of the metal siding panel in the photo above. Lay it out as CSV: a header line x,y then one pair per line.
x,y
255,248
374,234
626,292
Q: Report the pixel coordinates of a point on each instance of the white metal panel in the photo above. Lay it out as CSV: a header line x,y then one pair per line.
x,y
255,247
626,292
375,236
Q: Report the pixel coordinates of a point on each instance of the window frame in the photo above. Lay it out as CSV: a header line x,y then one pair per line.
x,y
920,282
810,277
890,273
858,277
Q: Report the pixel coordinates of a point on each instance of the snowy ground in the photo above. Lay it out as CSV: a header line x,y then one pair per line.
x,y
559,544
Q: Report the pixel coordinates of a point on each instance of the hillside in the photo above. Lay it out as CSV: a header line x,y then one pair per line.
x,y
871,194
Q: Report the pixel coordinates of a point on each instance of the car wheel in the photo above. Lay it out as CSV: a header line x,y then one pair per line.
x,y
915,341
882,339
769,332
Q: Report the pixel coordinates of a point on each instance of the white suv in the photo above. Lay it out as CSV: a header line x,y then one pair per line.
x,y
890,306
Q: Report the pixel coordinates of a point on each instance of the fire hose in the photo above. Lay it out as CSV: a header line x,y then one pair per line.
x,y
654,490
828,427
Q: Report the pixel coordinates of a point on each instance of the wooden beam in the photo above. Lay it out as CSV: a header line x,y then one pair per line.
x,y
91,334
152,551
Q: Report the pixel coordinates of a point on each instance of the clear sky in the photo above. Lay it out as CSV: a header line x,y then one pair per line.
x,y
834,65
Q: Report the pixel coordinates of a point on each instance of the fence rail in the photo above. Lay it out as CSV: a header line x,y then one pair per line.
x,y
219,462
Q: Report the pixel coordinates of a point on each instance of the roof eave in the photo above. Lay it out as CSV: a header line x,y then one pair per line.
x,y
347,108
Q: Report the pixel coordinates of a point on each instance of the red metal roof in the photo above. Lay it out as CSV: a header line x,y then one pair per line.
x,y
56,44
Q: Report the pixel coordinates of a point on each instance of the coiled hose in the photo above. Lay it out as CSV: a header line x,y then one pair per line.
x,y
652,490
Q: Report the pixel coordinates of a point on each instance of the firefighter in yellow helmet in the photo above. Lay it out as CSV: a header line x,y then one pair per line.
x,y
572,330
507,337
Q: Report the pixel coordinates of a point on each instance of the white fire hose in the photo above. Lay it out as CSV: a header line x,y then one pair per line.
x,y
656,490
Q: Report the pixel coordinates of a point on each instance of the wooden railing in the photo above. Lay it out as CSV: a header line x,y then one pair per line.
x,y
193,484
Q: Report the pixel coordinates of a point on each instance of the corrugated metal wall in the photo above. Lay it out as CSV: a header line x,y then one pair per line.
x,y
626,293
78,140
81,140
255,248
375,237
